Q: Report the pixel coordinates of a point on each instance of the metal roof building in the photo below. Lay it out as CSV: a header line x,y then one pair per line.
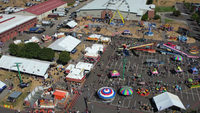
x,y
11,25
134,9
44,9
29,66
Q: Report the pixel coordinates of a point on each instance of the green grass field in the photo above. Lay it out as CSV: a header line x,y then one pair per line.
x,y
168,20
164,9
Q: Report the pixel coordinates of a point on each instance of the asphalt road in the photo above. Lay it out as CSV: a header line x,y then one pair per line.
x,y
186,18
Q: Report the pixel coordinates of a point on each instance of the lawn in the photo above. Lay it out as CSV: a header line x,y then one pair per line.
x,y
168,20
165,9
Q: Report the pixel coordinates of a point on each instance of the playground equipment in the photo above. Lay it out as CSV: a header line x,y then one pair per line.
x,y
22,84
117,4
149,33
180,52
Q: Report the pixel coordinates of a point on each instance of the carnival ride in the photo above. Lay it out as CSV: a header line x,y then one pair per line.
x,y
179,70
143,92
194,50
126,91
154,71
147,50
149,33
193,83
180,52
115,5
106,93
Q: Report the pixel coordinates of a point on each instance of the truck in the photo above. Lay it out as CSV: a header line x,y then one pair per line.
x,y
47,23
36,30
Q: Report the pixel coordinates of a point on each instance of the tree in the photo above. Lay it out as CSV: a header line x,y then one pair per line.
x,y
156,17
46,54
64,57
13,48
176,13
145,17
32,50
149,2
195,16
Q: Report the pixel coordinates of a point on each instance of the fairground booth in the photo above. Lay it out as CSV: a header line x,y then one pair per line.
x,y
93,53
78,73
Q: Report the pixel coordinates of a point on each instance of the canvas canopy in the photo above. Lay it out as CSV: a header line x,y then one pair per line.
x,y
67,43
72,24
166,100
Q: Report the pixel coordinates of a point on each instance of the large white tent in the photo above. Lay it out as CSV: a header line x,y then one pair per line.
x,y
166,100
30,66
67,43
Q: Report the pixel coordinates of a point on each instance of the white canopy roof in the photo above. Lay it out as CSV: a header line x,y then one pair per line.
x,y
85,66
33,39
76,74
70,67
67,43
94,36
93,51
72,24
30,66
166,100
2,84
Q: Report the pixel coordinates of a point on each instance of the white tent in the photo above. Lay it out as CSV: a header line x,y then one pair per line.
x,y
72,24
30,66
67,43
2,86
166,100
93,51
85,66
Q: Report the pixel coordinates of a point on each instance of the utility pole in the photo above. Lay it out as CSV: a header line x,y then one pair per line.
x,y
124,65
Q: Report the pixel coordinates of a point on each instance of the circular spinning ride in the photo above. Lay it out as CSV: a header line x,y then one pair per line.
x,y
117,11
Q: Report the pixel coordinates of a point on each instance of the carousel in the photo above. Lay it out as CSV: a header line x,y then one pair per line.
x,y
126,91
107,94
178,58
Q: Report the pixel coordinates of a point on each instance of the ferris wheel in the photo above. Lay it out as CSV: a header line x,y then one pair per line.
x,y
113,8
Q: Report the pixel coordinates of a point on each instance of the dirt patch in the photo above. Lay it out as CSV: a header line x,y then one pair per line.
x,y
13,77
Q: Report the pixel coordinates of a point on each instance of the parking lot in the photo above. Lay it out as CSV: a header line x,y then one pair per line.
x,y
135,66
